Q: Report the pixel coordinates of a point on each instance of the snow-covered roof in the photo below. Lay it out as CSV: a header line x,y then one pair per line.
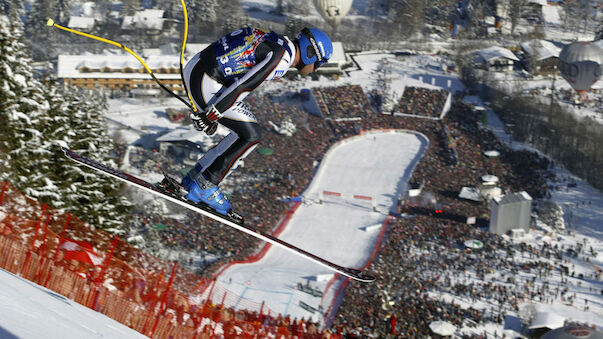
x,y
338,56
547,320
71,66
470,193
83,9
538,2
147,19
146,52
513,198
182,134
195,48
338,53
81,22
496,52
541,48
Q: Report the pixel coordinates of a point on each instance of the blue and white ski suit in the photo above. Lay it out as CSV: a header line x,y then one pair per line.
x,y
223,74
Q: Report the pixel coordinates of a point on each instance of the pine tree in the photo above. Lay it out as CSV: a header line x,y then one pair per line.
x,y
40,38
37,118
21,107
81,126
129,7
13,9
407,17
205,14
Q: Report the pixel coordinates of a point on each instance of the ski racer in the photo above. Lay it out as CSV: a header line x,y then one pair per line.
x,y
220,77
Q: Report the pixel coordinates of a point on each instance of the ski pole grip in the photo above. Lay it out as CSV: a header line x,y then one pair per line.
x,y
50,22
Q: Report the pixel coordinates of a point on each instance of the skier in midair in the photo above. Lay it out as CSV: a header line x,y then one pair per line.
x,y
220,77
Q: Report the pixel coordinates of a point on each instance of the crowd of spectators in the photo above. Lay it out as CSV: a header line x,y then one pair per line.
x,y
400,303
422,102
256,189
342,102
425,253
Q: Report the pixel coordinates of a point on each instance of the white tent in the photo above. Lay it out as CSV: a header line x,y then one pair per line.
x,y
442,328
547,320
470,193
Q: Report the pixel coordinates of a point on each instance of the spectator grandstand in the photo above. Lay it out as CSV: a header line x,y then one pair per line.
x,y
423,102
343,102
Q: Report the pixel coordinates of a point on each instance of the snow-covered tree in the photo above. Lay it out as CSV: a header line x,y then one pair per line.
x,y
12,9
129,7
407,17
40,37
293,26
515,8
80,125
205,12
22,106
37,118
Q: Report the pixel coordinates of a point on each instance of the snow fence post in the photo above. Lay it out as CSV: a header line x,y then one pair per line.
x,y
3,191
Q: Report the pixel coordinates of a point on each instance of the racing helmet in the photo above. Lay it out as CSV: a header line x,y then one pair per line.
x,y
315,46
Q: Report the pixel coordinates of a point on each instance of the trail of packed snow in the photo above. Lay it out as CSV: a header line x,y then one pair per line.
x,y
342,229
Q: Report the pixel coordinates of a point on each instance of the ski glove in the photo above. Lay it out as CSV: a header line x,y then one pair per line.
x,y
206,121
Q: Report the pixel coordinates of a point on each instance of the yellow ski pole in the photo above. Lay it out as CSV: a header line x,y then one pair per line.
x,y
184,38
51,23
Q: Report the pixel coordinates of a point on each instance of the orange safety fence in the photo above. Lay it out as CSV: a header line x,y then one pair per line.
x,y
152,296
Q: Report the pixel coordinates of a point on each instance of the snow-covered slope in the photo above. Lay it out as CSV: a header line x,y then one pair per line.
x,y
29,311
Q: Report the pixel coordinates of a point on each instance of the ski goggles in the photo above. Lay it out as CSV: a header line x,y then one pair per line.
x,y
313,49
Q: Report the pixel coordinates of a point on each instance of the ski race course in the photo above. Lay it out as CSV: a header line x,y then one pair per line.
x,y
344,228
30,311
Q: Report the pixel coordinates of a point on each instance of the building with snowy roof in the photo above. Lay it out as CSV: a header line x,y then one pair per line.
x,y
541,56
496,58
123,72
120,72
188,143
510,211
81,23
150,20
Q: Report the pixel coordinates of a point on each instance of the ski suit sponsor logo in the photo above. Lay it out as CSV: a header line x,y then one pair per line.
x,y
316,49
322,49
238,54
278,74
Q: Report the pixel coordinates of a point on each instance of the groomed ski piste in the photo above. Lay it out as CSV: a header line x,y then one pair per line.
x,y
30,311
336,220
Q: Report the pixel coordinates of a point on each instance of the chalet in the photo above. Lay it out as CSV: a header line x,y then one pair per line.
x,y
496,58
187,143
149,20
541,56
120,72
81,23
124,73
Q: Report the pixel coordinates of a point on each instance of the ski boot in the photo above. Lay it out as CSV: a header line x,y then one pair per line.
x,y
201,190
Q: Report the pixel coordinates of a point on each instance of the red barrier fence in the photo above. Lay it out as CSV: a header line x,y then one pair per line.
x,y
104,273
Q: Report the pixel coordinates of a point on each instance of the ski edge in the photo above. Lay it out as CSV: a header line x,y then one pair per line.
x,y
352,273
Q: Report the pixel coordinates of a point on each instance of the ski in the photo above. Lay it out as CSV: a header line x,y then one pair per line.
x,y
233,220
